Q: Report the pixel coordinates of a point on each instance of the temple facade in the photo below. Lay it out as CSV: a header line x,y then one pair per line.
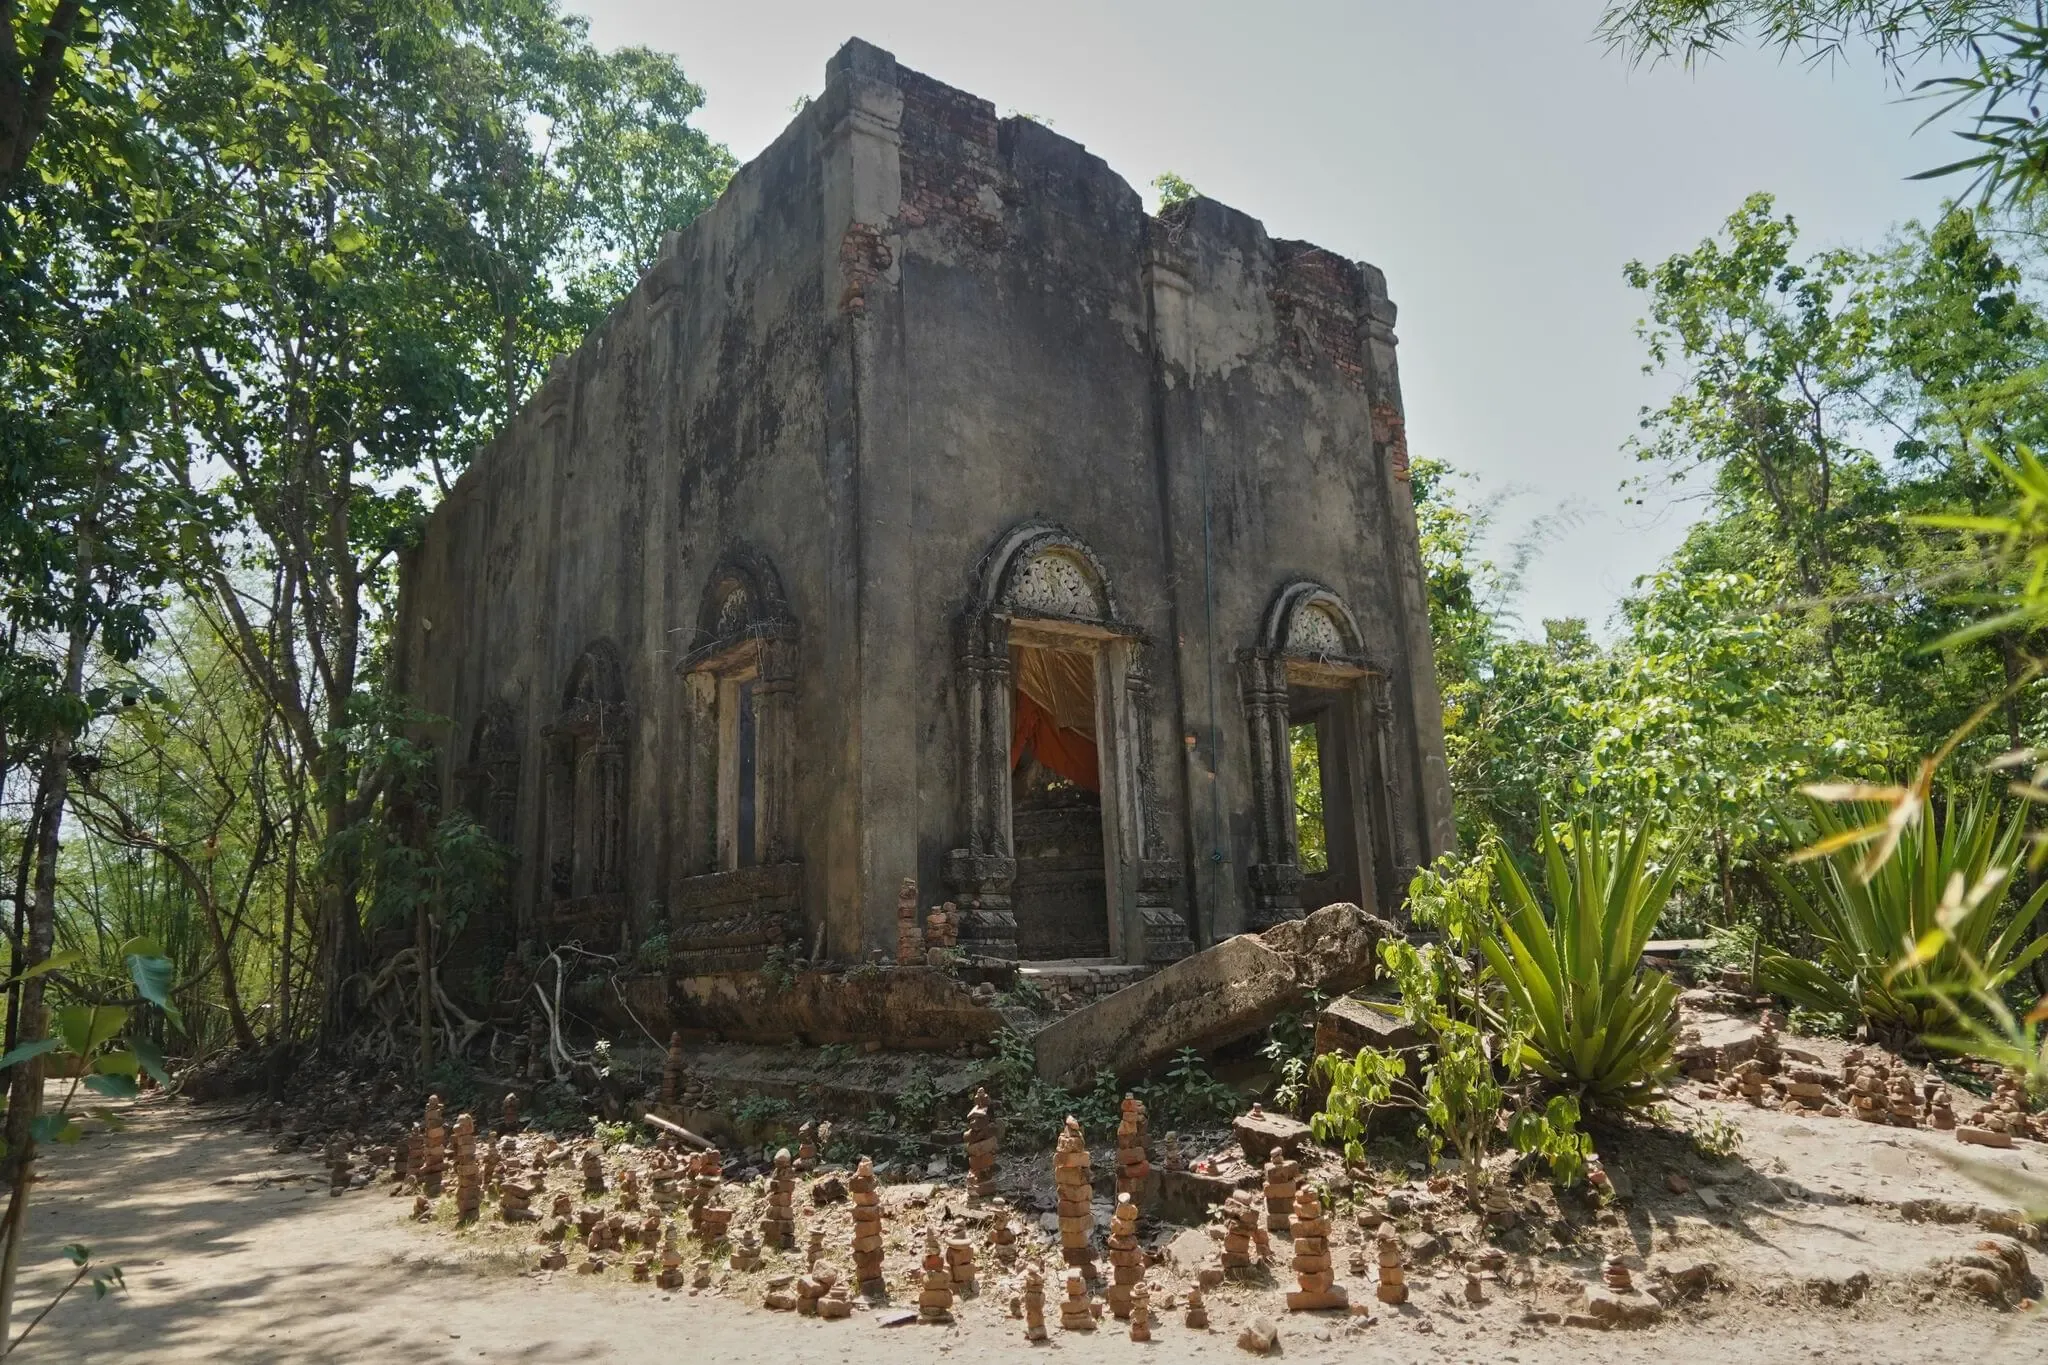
x,y
931,510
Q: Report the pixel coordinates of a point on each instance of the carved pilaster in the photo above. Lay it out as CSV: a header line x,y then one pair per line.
x,y
775,746
1275,874
982,874
1160,907
561,814
700,774
608,831
1400,836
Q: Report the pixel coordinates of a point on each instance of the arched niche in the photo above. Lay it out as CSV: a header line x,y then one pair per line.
x,y
1318,718
737,887
586,795
1055,710
490,776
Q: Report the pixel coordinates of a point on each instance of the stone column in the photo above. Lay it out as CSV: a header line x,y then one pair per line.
x,y
1394,835
1159,879
1276,876
608,823
981,874
775,748
700,775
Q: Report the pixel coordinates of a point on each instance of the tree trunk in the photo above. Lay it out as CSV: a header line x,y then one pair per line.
x,y
25,1091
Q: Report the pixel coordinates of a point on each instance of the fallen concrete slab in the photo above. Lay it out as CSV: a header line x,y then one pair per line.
x,y
1216,996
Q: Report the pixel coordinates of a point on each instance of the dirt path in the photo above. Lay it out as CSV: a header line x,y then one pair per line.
x,y
236,1253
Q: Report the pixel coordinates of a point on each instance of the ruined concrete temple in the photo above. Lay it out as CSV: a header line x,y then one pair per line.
x,y
931,510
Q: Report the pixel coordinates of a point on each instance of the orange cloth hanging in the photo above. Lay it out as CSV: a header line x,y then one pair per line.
x,y
1069,753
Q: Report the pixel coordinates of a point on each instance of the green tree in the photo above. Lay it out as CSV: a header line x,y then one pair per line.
x,y
2003,45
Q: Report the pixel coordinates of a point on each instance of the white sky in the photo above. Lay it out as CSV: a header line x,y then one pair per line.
x,y
1492,158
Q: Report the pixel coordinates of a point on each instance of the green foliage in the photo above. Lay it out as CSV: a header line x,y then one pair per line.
x,y
1715,1136
1172,189
1289,1046
1188,1096
1469,1081
1952,873
2004,41
1304,750
1569,963
652,952
610,1135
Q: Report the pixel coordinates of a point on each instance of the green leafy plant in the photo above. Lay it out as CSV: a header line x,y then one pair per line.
x,y
1571,972
610,1135
1468,1082
1715,1136
1900,936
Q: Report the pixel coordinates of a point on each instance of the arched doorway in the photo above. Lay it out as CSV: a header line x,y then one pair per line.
x,y
1316,714
1063,849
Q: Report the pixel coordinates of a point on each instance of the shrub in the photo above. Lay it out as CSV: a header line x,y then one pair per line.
x,y
1946,885
1591,1017
1467,1085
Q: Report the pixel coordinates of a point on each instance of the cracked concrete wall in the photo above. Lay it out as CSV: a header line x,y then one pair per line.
x,y
907,327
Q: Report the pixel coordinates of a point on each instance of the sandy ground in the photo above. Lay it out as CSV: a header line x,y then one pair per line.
x,y
234,1252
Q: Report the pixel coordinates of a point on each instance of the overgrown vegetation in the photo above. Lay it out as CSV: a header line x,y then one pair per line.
x,y
1952,871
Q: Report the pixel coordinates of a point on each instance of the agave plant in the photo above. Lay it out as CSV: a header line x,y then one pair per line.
x,y
1930,922
1593,1017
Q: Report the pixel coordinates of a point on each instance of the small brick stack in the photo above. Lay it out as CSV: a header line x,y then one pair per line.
x,y
1197,1315
508,1113
1312,1266
1244,1235
1131,1164
629,1190
1126,1261
867,1219
672,1073
1072,1179
515,1201
433,1152
960,1264
671,1276
980,1138
778,1223
1615,1275
1282,1180
1141,1312
806,1146
941,931
469,1185
1393,1286
593,1171
909,936
1170,1157
1034,1306
746,1252
935,1299
1002,1240
708,1222
1076,1313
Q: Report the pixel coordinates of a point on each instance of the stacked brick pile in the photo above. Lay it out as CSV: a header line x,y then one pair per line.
x,y
980,1138
867,1220
1310,1227
1126,1261
1072,1179
778,1224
